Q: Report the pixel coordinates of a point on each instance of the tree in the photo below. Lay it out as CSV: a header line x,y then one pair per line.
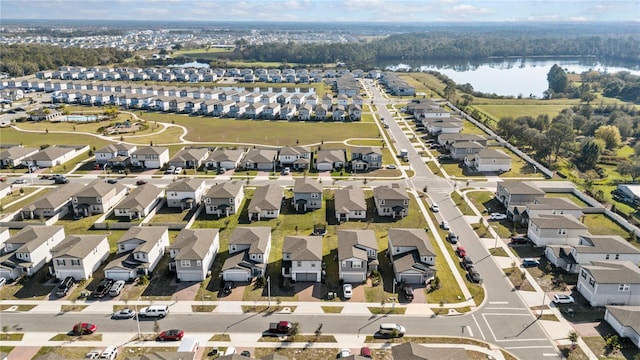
x,y
589,156
631,168
573,337
610,135
559,137
557,78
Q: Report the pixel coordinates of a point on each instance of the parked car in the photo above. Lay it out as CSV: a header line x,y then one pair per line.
x,y
112,181
103,288
444,225
452,237
19,181
435,207
497,216
93,354
563,299
391,167
466,262
228,286
141,182
178,170
407,291
529,262
347,290
391,330
124,314
110,353
519,240
365,352
246,353
344,353
286,171
474,277
173,334
170,170
84,328
61,180
461,251
65,286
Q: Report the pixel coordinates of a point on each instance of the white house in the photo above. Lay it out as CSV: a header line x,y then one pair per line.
x,y
555,230
625,320
79,256
488,160
350,203
138,252
193,252
302,258
249,249
29,250
592,248
150,157
266,202
357,255
185,193
610,283
139,202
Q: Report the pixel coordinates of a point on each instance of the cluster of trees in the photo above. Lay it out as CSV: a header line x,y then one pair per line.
x,y
20,59
621,85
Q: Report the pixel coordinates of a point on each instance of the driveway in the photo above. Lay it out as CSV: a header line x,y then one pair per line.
x,y
186,291
23,352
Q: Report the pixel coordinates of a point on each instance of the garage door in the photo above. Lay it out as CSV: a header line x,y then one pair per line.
x,y
62,274
353,278
306,277
411,278
235,276
190,276
325,167
117,275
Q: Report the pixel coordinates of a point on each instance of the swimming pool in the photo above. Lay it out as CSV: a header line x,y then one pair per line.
x,y
79,118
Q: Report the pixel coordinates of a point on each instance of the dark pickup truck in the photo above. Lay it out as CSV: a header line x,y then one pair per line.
x,y
281,327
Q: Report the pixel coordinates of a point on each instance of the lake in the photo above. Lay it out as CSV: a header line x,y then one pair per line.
x,y
515,77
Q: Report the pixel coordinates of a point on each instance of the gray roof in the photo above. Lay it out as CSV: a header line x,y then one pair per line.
x,y
54,199
612,244
257,238
188,154
331,155
544,221
351,243
148,236
51,153
307,185
185,185
367,150
412,238
413,351
268,197
393,192
260,155
31,237
628,316
460,137
140,197
550,203
193,243
614,272
150,150
303,247
350,198
294,150
225,190
99,188
78,246
493,154
467,145
220,155
16,152
520,188
112,148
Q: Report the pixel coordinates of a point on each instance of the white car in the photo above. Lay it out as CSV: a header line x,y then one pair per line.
x,y
497,216
344,353
563,299
445,225
391,167
435,207
347,290
178,170
93,354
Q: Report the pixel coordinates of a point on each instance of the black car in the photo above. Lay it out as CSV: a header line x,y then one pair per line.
x,y
103,288
112,181
519,240
474,277
407,291
64,286
452,237
228,286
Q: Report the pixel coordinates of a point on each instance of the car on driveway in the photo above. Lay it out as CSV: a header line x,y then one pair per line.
x,y
519,240
178,170
497,216
173,335
347,290
84,329
124,314
530,262
407,291
228,286
93,354
563,299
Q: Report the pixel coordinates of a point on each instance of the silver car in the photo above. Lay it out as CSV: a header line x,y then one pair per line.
x,y
124,314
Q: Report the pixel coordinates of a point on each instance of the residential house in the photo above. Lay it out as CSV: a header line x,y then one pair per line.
x,y
355,112
443,126
287,111
54,204
54,155
114,150
488,160
13,156
5,189
266,202
304,111
357,255
461,149
511,193
366,158
185,193
302,258
625,320
391,201
350,203
79,256
139,203
227,159
551,206
412,256
630,193
331,159
295,157
307,194
193,252
29,250
320,111
555,230
97,197
446,140
224,199
610,283
591,248
138,252
260,159
249,249
150,157
189,158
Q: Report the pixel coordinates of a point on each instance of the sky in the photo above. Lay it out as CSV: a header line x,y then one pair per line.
x,y
389,11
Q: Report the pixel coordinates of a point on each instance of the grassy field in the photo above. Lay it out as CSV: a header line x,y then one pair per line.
x,y
12,136
208,53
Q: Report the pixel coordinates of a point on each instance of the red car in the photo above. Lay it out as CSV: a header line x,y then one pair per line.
x,y
84,328
173,334
461,251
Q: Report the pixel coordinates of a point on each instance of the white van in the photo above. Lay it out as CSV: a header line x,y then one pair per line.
x,y
189,345
390,329
158,311
111,353
116,288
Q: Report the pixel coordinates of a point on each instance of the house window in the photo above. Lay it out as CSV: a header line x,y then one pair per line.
x,y
617,256
381,201
198,263
185,263
406,202
606,257
299,263
313,264
230,200
60,262
315,195
98,200
624,287
592,282
344,264
562,231
583,274
75,262
356,264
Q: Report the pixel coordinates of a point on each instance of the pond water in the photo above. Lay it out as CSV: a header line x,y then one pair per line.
x,y
515,77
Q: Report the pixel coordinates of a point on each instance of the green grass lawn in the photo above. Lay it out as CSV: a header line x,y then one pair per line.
x,y
462,205
12,136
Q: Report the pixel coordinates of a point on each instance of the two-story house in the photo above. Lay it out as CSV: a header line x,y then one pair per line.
x,y
412,256
249,249
260,159
224,199
610,283
227,159
185,193
139,202
266,202
190,157
488,160
307,194
555,229
193,252
97,197
150,157
366,158
391,201
549,206
53,204
461,149
79,256
511,193
138,252
302,258
296,157
591,248
625,320
350,203
114,150
357,255
29,250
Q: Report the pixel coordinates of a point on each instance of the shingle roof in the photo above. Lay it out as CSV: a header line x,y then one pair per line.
x,y
268,197
185,185
393,192
545,203
350,198
493,154
544,221
367,150
78,246
16,152
260,155
412,238
31,237
221,155
55,198
520,188
348,241
611,244
614,272
307,185
150,150
628,316
51,153
257,238
303,247
331,155
194,243
225,190
98,188
148,236
413,351
140,197
187,154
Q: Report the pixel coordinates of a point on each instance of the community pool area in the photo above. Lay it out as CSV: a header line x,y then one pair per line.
x,y
79,118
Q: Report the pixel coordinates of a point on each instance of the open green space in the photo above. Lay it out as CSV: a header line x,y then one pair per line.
x,y
13,136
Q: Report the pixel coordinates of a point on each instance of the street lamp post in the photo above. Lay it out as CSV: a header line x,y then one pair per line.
x,y
544,296
394,294
138,323
269,290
